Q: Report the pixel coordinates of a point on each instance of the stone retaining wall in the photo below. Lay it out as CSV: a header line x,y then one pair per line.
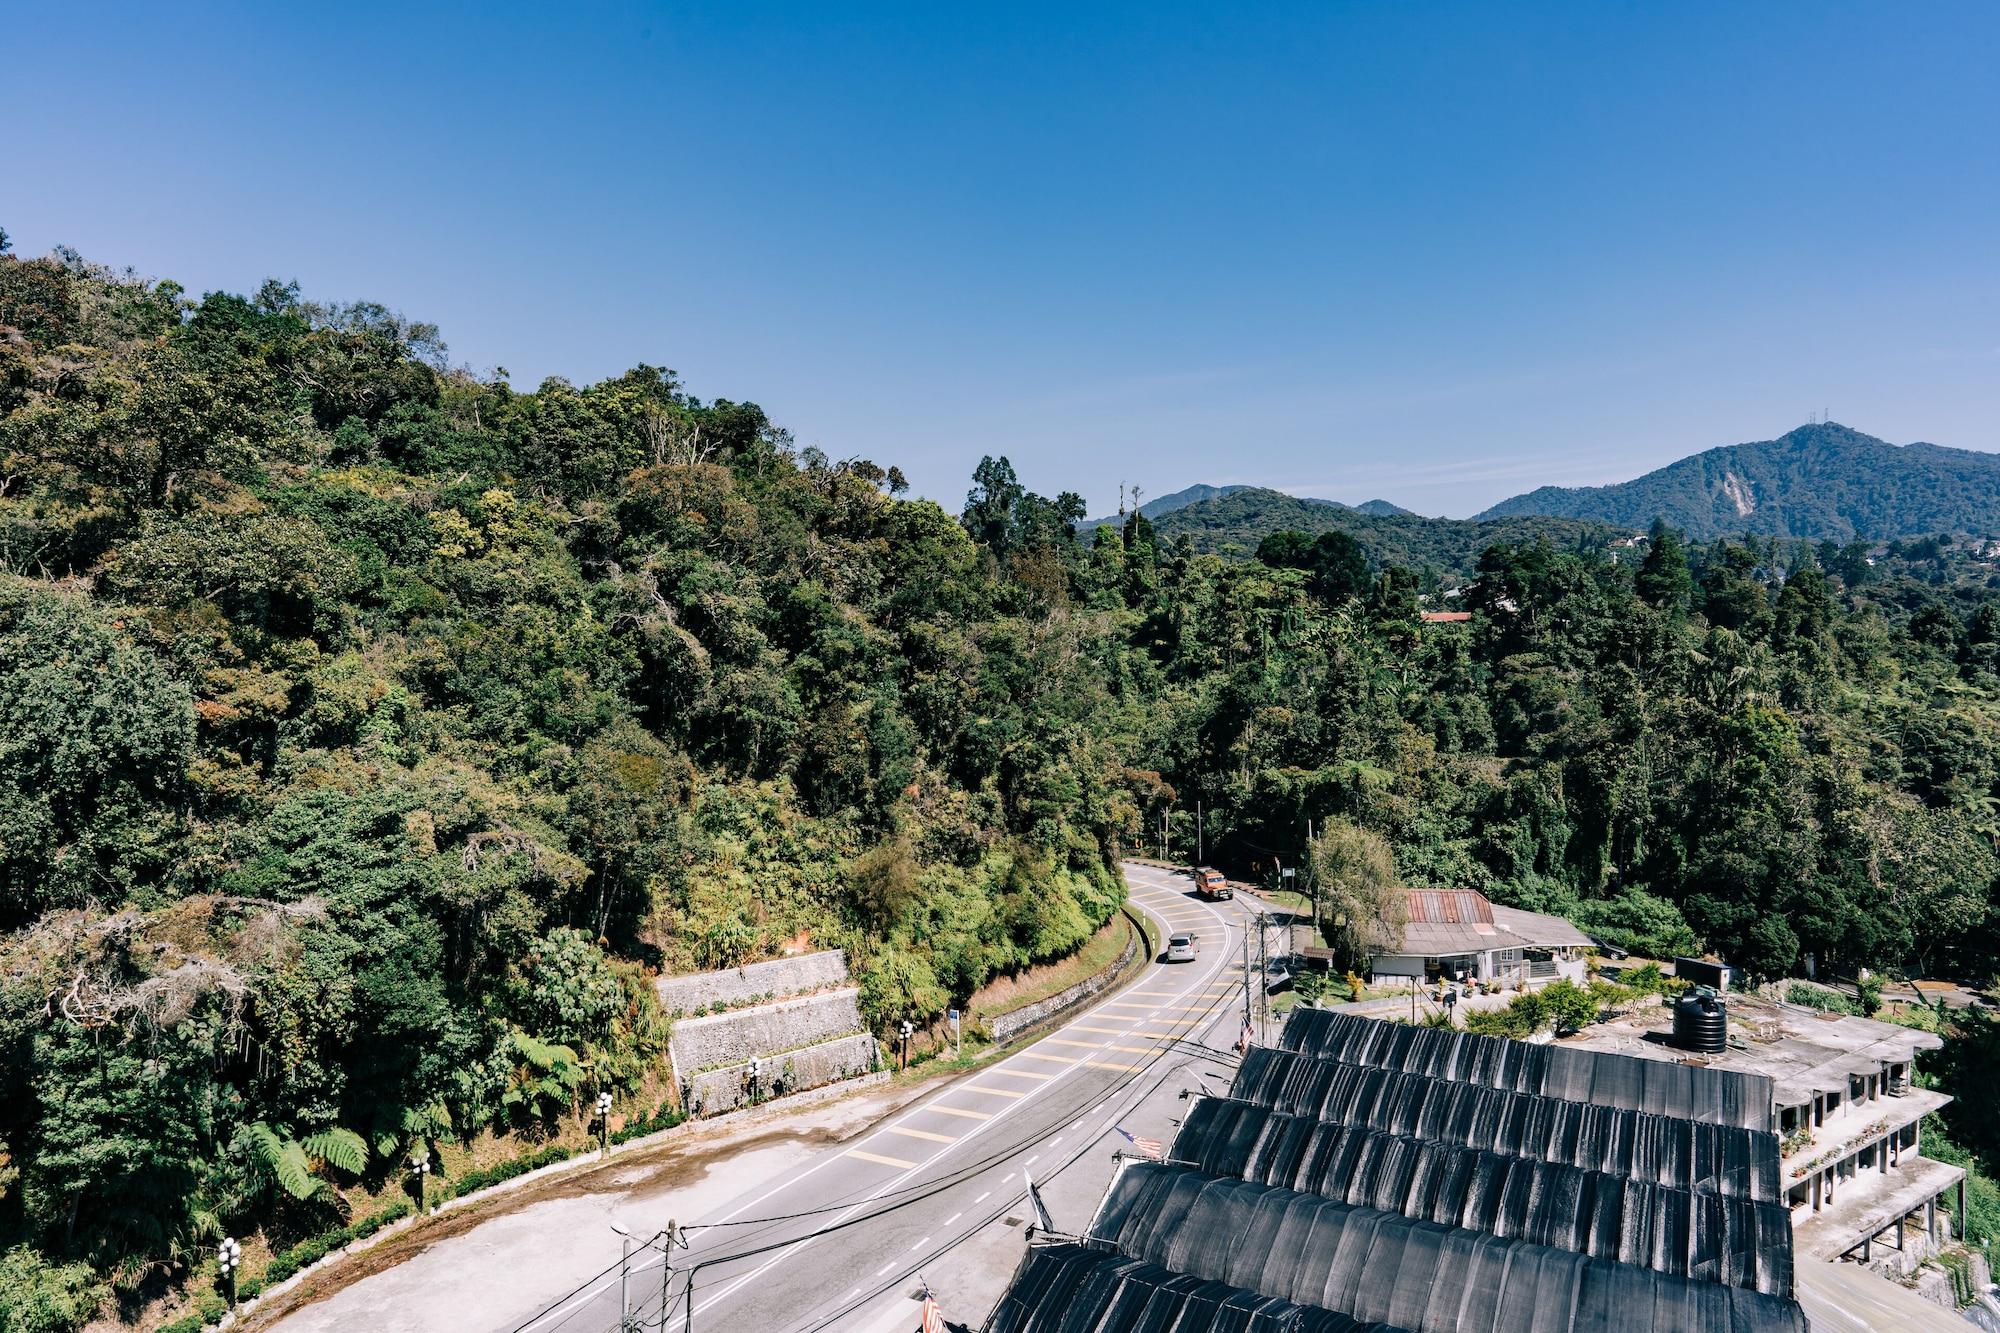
x,y
777,977
781,1075
1012,1024
718,1040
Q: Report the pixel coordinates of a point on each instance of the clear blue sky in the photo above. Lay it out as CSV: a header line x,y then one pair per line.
x,y
1435,253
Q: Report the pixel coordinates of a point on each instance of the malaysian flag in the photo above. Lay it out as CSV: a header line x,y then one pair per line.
x,y
933,1317
1247,1040
1150,1148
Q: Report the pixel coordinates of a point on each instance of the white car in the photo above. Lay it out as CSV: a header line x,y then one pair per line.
x,y
1181,947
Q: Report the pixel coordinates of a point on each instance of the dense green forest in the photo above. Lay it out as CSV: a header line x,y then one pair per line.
x,y
370,729
1822,482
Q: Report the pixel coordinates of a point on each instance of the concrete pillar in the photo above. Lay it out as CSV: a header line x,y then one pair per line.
x,y
1961,1207
1930,1219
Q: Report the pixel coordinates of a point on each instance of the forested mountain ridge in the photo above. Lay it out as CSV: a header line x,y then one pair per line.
x,y
1166,504
1819,482
369,728
1233,524
1201,491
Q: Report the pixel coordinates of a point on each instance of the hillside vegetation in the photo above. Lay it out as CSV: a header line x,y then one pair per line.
x,y
371,730
1818,482
1234,524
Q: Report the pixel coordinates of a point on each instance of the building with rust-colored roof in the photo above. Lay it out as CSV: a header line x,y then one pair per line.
x,y
1457,934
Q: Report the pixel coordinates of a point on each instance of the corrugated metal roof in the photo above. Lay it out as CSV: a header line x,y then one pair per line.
x,y
1450,907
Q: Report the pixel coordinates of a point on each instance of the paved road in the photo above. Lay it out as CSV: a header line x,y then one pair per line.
x,y
938,1188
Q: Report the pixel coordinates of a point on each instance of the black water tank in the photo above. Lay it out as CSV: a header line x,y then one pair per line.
x,y
1701,1023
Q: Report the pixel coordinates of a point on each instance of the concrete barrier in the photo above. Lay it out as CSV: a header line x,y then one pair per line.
x,y
776,978
701,1044
724,1089
1011,1024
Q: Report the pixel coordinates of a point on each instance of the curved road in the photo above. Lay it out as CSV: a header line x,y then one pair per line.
x,y
937,1189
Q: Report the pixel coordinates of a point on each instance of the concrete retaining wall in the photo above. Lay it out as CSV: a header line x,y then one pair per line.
x,y
778,978
1009,1025
700,1044
829,1062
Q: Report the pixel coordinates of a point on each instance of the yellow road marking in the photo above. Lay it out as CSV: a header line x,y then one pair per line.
x,y
1052,1059
1131,1050
1107,1064
919,1134
1061,1041
959,1111
993,1092
1024,1073
1085,1027
878,1158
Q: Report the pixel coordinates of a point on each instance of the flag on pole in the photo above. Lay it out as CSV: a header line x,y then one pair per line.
x,y
1151,1148
1247,1040
933,1317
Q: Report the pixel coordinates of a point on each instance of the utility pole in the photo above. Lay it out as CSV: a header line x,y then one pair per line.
x,y
1199,856
1246,978
1263,974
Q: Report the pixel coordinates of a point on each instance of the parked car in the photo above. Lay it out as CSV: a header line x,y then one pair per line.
x,y
1209,883
1181,947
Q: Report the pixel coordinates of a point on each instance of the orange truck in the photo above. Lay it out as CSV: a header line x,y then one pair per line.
x,y
1209,883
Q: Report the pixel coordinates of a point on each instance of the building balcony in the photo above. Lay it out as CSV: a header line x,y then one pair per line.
x,y
1866,1205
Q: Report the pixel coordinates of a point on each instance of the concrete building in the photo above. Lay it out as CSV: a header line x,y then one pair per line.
x,y
1847,1115
1456,934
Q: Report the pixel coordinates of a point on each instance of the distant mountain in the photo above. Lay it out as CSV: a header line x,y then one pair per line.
x,y
1166,504
1233,524
1383,509
1819,481
1199,492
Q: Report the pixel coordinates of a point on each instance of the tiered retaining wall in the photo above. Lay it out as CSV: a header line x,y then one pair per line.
x,y
775,979
700,1044
810,1040
727,1088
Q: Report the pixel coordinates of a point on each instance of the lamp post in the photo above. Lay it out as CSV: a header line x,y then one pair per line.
x,y
664,1242
420,1170
756,1072
908,1031
230,1256
624,1276
604,1121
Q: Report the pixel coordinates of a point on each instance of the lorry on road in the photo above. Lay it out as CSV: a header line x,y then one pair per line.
x,y
1210,884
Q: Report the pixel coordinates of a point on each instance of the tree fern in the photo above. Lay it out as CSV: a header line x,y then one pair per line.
x,y
341,1148
282,1159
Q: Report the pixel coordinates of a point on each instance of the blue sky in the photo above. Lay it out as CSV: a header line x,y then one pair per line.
x,y
1435,253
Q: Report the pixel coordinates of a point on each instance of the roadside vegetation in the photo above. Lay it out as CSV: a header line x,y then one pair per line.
x,y
373,731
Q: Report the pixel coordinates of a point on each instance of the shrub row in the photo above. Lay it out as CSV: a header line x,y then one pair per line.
x,y
210,1305
666,1117
486,1177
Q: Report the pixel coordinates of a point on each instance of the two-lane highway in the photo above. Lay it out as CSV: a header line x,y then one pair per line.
x,y
840,1242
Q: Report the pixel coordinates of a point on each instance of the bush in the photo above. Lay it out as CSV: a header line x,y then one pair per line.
x,y
1819,997
37,1296
666,1117
487,1177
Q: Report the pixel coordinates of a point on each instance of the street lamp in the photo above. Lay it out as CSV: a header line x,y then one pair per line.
x,y
909,1030
663,1242
756,1071
420,1170
230,1256
604,1120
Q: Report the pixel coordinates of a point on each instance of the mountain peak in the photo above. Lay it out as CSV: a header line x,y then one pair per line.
x,y
1821,480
